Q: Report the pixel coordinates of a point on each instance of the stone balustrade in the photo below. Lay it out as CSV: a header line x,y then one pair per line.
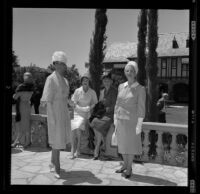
x,y
163,143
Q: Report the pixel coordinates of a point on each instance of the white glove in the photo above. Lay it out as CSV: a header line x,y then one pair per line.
x,y
115,120
139,126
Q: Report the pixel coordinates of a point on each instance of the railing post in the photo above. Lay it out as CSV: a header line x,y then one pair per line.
x,y
173,149
186,153
145,145
159,148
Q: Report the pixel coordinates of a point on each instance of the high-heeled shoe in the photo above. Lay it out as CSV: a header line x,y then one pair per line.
x,y
57,175
126,176
120,170
96,157
15,144
51,168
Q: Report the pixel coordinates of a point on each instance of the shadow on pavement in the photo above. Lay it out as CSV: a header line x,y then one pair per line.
x,y
151,180
78,177
37,149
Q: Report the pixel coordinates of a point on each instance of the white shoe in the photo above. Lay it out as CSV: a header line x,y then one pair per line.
x,y
52,168
57,175
77,154
72,157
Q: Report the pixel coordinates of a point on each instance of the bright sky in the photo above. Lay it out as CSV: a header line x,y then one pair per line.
x,y
37,33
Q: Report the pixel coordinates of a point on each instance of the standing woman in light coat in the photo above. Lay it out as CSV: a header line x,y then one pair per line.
x,y
55,95
128,117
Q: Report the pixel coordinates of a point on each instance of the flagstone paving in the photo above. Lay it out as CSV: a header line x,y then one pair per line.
x,y
30,167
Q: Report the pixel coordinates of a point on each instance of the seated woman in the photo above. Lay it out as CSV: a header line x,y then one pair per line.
x,y
108,96
84,99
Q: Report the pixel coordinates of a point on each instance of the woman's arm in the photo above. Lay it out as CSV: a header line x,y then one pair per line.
x,y
16,95
141,109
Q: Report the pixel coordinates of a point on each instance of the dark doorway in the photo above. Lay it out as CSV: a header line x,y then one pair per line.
x,y
180,91
163,88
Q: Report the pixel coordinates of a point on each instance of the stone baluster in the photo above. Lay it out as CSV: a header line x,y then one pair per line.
x,y
173,149
186,153
159,148
145,156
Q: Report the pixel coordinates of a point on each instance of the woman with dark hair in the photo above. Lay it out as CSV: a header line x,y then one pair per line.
x,y
22,96
84,99
102,124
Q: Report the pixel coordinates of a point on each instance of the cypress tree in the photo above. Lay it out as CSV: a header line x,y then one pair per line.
x,y
151,67
141,47
97,49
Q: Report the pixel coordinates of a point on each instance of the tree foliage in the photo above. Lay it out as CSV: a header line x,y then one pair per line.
x,y
97,49
151,67
141,47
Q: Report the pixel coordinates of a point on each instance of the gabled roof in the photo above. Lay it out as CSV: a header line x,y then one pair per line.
x,y
120,52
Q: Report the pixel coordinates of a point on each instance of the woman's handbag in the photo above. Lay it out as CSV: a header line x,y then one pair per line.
x,y
114,139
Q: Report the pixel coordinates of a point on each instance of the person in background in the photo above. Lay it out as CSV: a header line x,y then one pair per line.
x,y
161,105
55,97
108,96
22,96
128,117
35,100
84,99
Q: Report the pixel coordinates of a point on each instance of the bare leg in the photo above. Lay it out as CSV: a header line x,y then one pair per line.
x,y
125,159
98,137
130,162
73,141
79,141
56,160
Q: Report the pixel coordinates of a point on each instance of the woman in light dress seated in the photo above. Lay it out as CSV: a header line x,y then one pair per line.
x,y
84,99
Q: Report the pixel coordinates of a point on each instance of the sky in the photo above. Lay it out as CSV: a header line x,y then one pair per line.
x,y
38,32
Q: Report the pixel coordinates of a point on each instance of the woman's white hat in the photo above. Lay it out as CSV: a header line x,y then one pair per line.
x,y
133,64
59,56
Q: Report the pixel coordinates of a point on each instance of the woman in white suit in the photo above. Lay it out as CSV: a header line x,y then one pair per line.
x,y
128,117
55,95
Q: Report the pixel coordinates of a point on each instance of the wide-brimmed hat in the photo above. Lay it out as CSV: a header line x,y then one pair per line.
x,y
106,75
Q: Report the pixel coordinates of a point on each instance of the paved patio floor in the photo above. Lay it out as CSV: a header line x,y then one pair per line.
x,y
31,167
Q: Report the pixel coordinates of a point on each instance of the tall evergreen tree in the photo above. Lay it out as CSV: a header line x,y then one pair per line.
x,y
97,49
141,47
151,67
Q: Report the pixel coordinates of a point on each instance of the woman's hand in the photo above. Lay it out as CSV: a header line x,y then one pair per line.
x,y
139,126
138,130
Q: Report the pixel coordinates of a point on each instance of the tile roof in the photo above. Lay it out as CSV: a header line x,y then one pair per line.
x,y
119,52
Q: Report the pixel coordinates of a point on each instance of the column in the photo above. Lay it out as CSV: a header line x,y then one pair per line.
x,y
159,148
145,156
173,149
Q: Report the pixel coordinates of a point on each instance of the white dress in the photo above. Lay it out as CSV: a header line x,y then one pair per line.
x,y
56,91
84,100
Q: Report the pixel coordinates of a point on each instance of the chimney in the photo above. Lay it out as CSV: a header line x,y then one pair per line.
x,y
174,43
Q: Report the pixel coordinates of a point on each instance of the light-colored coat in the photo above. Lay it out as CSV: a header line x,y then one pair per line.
x,y
56,91
130,106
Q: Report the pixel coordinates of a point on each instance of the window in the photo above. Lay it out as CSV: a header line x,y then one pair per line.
x,y
164,67
185,70
174,67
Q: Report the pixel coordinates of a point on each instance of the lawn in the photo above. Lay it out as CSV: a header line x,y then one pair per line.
x,y
177,113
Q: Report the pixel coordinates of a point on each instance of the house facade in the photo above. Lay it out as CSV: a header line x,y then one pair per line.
x,y
172,62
